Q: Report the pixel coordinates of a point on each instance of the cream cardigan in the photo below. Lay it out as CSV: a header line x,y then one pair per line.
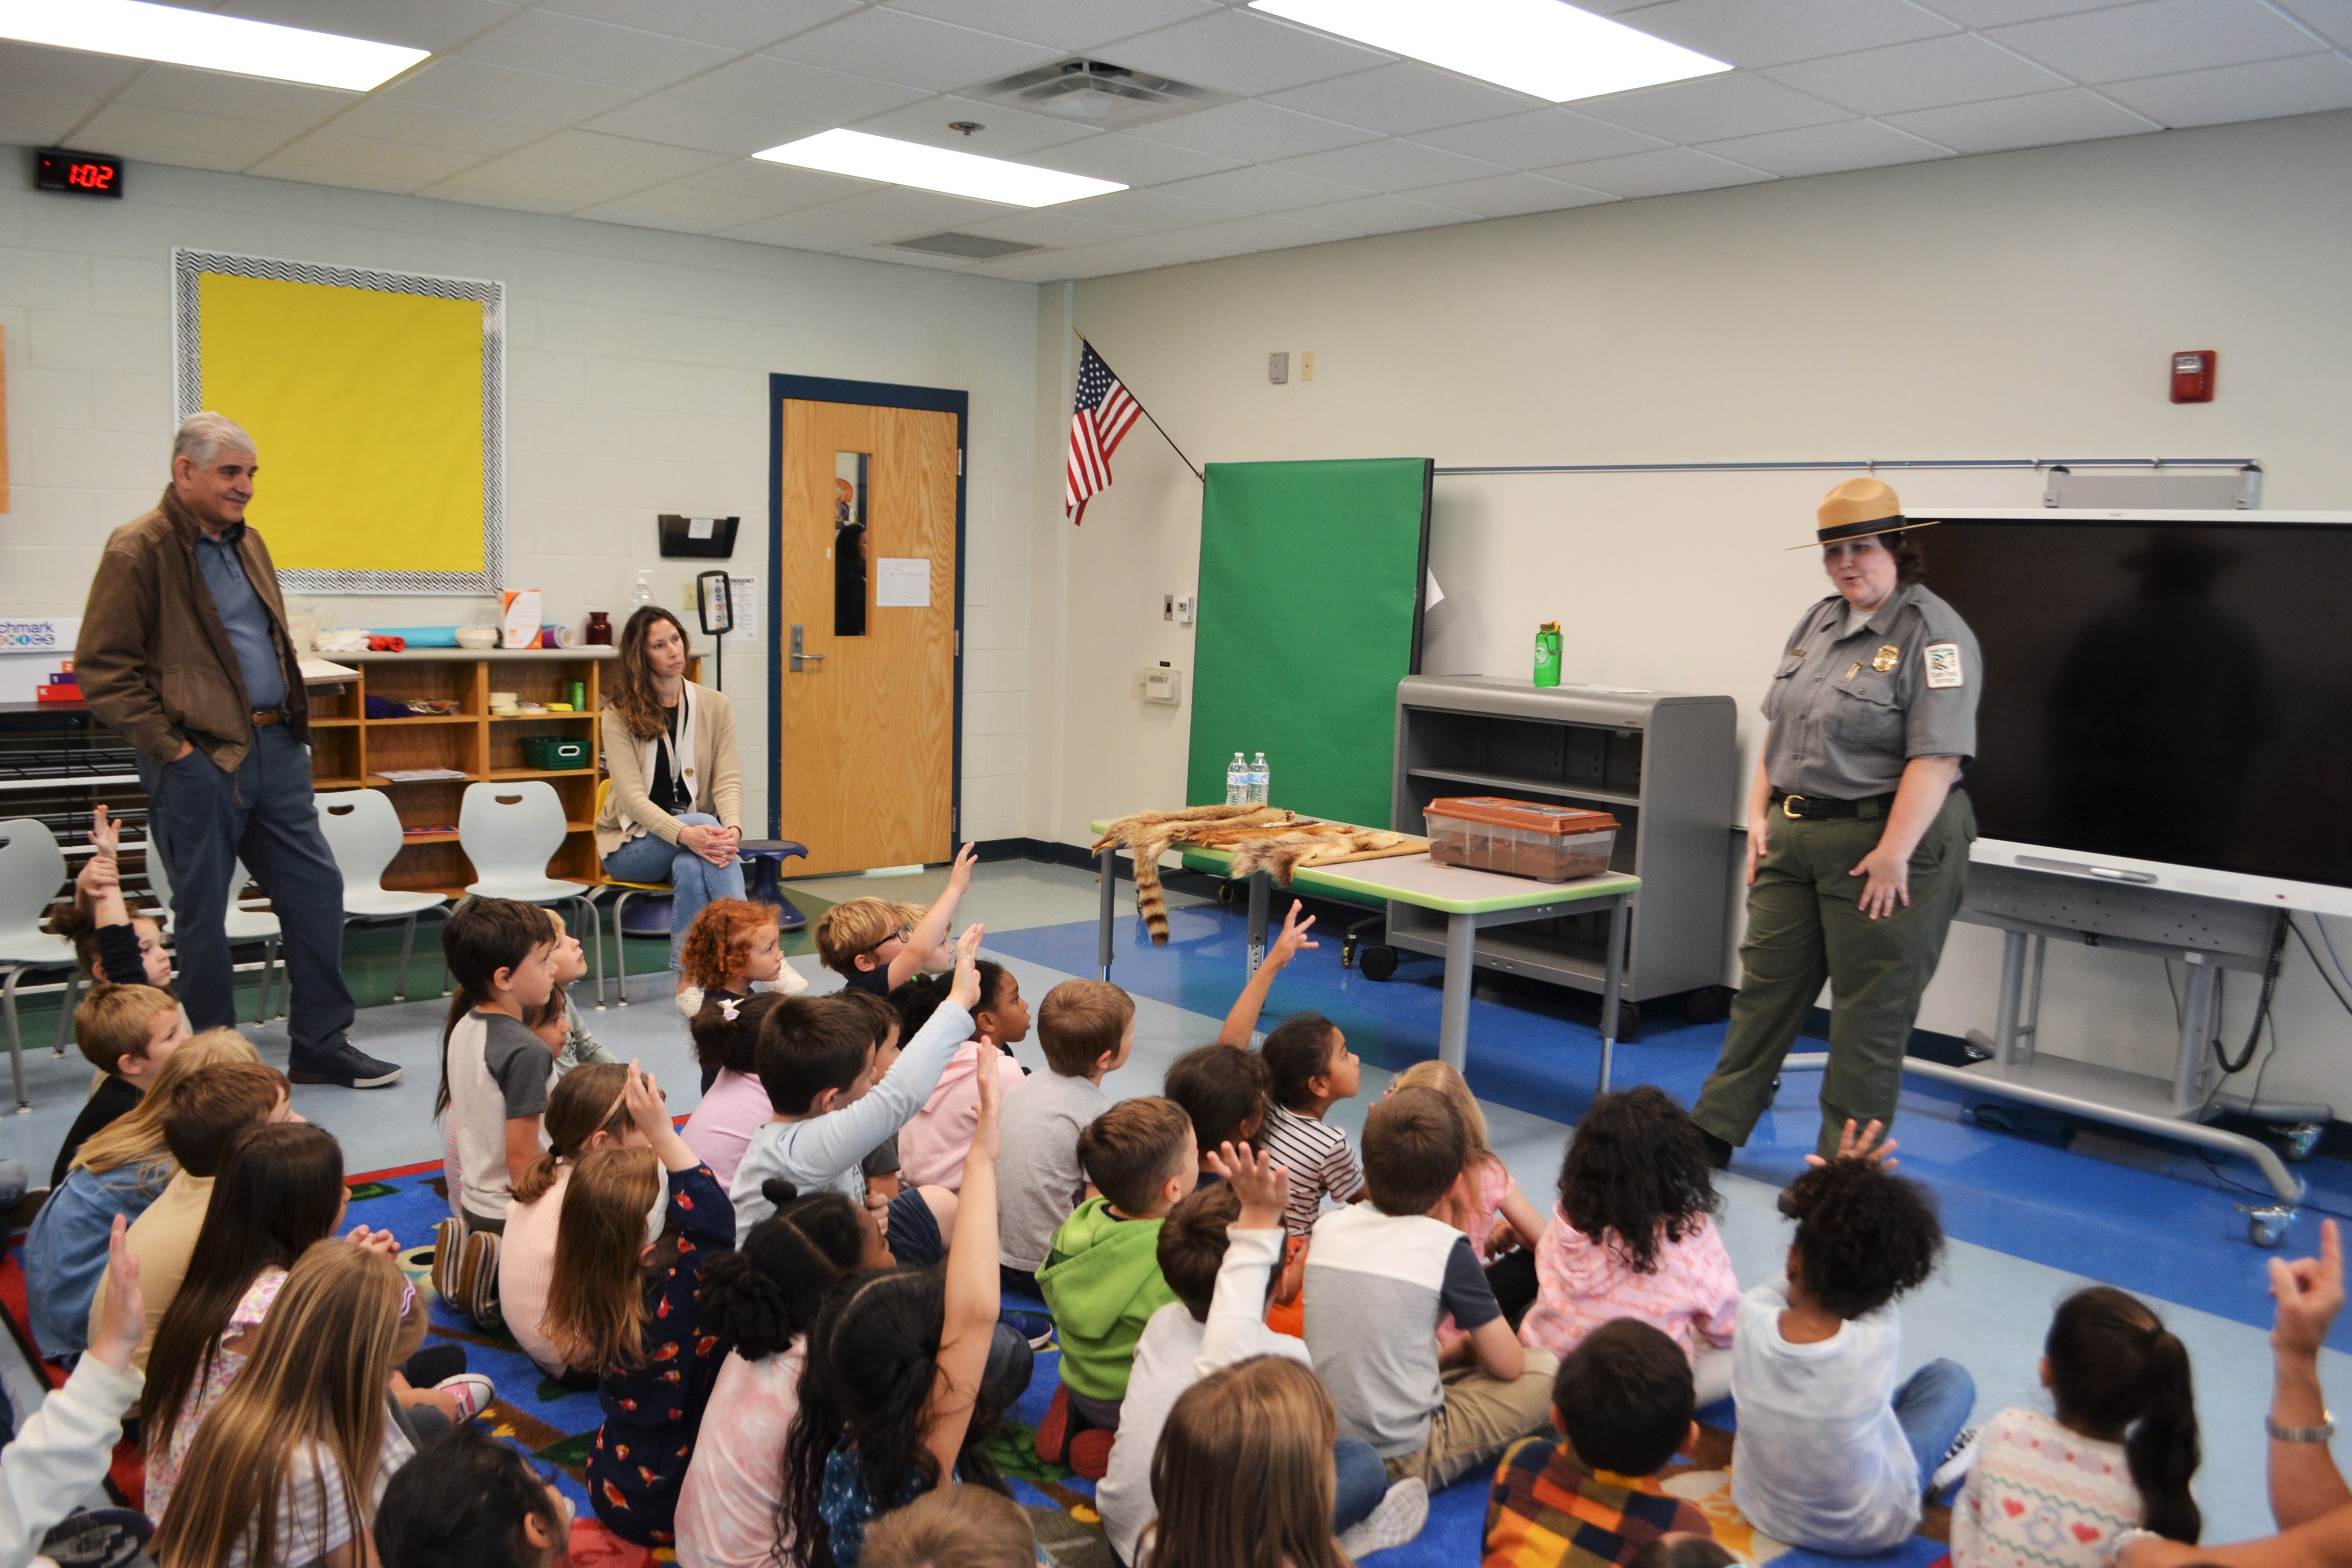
x,y
718,783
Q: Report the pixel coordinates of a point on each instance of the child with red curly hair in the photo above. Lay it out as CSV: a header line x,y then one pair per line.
x,y
733,944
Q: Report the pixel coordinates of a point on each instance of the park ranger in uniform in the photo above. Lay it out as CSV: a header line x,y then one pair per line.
x,y
1858,832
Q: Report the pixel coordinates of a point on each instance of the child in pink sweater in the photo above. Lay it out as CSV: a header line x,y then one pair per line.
x,y
932,1146
1633,1236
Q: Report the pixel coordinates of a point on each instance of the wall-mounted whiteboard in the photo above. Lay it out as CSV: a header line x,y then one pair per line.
x,y
378,401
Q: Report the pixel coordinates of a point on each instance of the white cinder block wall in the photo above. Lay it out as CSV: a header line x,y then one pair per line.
x,y
637,369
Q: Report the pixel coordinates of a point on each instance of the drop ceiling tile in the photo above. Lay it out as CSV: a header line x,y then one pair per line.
x,y
1669,171
678,122
1509,195
2332,18
1244,51
1263,190
2042,120
2303,85
175,136
436,25
1713,108
2158,38
1058,227
1828,149
432,125
1383,215
1929,74
893,45
821,228
778,186
544,188
1392,165
681,207
639,162
1151,212
1132,161
40,119
1066,26
1267,232
2000,13
236,97
1040,267
764,84
572,46
738,24
521,200
1166,249
1774,32
333,158
64,73
912,212
1543,137
1006,131
456,83
1402,100
1252,133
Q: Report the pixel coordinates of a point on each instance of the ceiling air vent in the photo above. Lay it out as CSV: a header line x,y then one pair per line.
x,y
1093,92
968,246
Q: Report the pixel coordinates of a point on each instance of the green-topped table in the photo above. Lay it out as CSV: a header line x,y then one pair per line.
x,y
1470,899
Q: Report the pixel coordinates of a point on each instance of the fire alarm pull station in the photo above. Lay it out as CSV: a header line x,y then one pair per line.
x,y
2192,375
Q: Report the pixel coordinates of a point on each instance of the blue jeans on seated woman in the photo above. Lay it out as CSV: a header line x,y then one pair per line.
x,y
693,880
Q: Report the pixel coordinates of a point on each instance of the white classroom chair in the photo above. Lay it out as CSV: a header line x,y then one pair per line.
x,y
362,832
32,870
237,923
510,831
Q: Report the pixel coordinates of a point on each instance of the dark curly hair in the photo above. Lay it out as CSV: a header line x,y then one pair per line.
x,y
872,1362
766,1293
1635,1176
1865,1236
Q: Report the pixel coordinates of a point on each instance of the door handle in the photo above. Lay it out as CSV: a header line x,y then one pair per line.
x,y
800,661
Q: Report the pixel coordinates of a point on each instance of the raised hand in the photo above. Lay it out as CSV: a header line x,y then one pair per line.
x,y
1293,939
964,991
2309,1292
380,1241
105,832
1862,1145
987,1135
1263,1186
960,874
123,1317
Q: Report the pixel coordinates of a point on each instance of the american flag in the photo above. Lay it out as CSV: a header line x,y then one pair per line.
x,y
1098,421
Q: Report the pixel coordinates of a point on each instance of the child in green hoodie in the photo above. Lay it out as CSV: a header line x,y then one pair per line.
x,y
1102,1278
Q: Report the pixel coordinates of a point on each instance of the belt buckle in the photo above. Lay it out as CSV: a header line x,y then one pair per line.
x,y
1788,807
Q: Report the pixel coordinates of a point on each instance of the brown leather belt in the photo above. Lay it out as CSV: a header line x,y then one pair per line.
x,y
265,717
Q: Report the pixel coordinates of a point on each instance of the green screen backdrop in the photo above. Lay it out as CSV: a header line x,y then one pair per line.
x,y
1310,613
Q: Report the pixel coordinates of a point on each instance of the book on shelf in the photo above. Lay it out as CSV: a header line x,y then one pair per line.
x,y
415,775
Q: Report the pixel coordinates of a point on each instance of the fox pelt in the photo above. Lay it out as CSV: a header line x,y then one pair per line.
x,y
1261,838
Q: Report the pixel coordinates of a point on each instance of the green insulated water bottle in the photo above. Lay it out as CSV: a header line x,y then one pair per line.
x,y
1548,654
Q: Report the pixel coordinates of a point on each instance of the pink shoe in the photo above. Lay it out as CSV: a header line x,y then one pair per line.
x,y
471,1390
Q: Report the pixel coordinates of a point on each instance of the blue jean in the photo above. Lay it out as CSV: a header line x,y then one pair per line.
x,y
1363,1481
693,880
1933,1404
266,815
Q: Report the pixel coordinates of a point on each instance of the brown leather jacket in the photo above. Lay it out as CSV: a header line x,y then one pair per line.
x,y
153,657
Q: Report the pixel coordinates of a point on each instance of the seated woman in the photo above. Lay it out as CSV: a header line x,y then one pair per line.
x,y
675,813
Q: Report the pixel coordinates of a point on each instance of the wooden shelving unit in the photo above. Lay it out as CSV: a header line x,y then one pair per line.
x,y
349,750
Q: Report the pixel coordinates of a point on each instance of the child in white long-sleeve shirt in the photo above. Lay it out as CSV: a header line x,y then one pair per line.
x,y
823,1070
1218,1250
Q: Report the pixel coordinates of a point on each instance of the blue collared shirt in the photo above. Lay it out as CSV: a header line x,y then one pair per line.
x,y
245,615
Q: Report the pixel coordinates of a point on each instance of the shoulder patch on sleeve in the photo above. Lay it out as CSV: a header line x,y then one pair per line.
x,y
1943,661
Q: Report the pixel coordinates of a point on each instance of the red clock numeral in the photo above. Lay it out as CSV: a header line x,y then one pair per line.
x,y
90,176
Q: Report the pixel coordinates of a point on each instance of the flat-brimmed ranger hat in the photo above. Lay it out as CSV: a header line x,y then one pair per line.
x,y
1860,507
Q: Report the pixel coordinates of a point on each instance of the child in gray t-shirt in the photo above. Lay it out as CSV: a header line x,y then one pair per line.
x,y
1086,1028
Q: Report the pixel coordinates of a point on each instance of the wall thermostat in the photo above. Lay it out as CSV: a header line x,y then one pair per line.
x,y
1161,683
77,174
1278,368
2192,375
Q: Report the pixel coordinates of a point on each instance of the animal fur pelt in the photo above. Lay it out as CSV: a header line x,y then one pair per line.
x,y
1309,844
1262,839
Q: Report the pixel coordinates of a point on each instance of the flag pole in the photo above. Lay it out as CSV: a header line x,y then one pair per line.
x,y
1155,423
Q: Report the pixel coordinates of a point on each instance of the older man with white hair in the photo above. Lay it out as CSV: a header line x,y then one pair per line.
x,y
183,649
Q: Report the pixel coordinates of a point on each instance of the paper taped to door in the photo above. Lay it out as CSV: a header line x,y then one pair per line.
x,y
902,583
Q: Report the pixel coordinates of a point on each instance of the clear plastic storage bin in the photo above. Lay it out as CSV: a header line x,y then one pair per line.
x,y
1523,838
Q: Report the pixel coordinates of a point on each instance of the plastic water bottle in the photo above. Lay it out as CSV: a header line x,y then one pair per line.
x,y
1261,783
1237,781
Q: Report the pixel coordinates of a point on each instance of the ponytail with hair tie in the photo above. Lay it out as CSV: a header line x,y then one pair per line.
x,y
2162,1447
2118,1374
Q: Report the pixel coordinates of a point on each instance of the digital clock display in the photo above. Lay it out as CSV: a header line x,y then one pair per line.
x,y
78,173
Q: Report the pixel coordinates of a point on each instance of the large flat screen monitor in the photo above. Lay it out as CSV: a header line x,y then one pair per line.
x,y
2167,697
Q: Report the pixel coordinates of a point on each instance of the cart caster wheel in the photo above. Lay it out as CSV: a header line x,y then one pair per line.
x,y
1224,892
1629,1021
1703,1005
2298,1138
2267,1228
1377,963
1346,958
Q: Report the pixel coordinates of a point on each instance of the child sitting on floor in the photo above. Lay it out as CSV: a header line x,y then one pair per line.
x,y
1101,1278
1218,1251
494,1079
1309,1069
1624,1398
954,1527
1382,1275
931,1145
1225,1092
468,1500
2052,1492
866,942
628,1265
1633,1235
557,1021
1484,1193
1831,1453
734,1104
761,1301
1244,1475
733,945
127,1033
588,1110
819,1061
123,1169
1085,1028
903,1382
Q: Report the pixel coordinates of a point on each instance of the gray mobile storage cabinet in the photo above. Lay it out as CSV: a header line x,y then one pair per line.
x,y
1663,763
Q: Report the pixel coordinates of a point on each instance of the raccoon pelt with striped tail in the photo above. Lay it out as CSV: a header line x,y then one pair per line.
x,y
1148,834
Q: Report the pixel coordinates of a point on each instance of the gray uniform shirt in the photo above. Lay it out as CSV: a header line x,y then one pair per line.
x,y
245,615
1848,711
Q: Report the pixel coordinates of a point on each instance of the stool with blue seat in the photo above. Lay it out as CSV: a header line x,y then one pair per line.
x,y
763,876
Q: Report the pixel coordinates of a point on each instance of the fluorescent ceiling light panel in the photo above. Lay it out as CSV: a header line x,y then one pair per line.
x,y
896,163
206,40
1539,46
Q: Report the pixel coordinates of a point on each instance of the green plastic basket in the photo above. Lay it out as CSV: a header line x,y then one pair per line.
x,y
554,752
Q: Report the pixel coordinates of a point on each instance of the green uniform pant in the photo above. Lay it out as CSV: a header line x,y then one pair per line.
x,y
1803,927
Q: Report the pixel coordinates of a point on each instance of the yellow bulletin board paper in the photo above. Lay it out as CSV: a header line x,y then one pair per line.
x,y
375,399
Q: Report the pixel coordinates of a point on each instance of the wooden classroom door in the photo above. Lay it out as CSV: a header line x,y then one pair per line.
x,y
865,635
